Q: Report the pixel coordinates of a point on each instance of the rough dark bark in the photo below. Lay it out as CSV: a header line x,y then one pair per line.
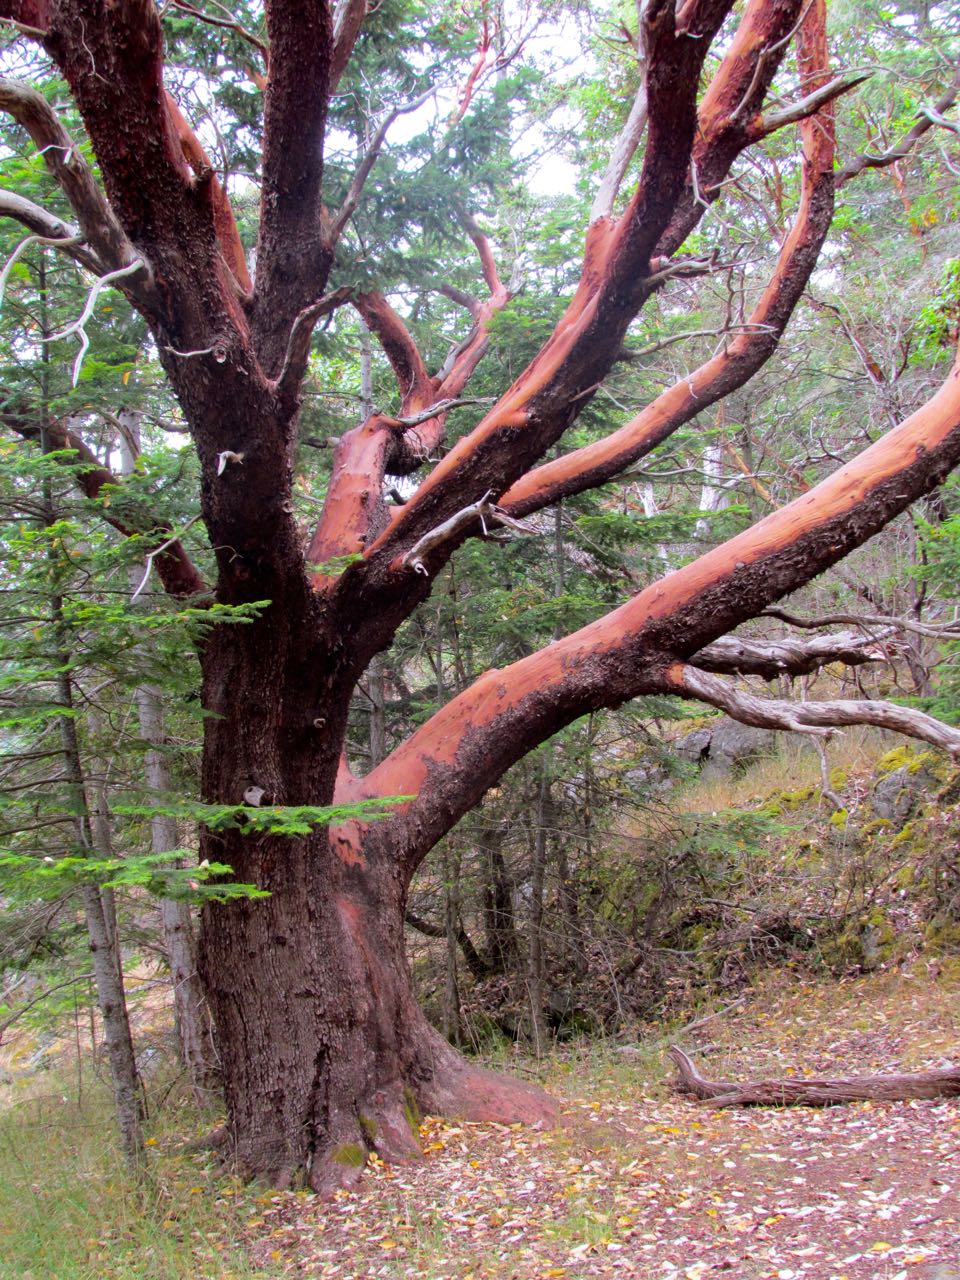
x,y
938,1083
338,1058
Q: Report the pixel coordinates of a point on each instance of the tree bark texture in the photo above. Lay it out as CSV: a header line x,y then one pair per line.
x,y
313,983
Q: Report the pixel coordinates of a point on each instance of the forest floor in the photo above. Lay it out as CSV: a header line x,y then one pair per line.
x,y
636,1182
640,1183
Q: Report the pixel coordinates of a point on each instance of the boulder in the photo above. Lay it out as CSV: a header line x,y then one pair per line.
x,y
724,746
896,796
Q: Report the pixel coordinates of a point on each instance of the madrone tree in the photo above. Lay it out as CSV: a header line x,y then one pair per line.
x,y
325,1053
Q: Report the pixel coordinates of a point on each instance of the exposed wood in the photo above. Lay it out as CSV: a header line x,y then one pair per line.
x,y
822,718
789,655
224,221
938,1083
731,367
347,21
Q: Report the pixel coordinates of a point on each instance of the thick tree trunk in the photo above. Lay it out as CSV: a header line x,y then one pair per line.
x,y
326,1055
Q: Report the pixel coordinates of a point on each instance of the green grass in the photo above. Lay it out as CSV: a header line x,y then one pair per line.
x,y
69,1211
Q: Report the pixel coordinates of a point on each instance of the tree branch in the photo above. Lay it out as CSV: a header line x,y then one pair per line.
x,y
809,105
292,258
739,359
413,379
924,123
615,282
298,347
819,718
48,230
98,223
345,213
225,223
466,746
625,146
228,24
347,22
937,631
789,655
179,575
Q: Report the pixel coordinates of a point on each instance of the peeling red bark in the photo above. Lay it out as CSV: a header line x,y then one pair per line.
x,y
744,353
224,221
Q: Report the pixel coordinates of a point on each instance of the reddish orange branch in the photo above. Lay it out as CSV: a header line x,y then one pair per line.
x,y
744,354
225,224
630,651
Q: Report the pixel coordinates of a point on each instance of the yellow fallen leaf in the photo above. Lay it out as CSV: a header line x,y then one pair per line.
x,y
387,1244
880,1247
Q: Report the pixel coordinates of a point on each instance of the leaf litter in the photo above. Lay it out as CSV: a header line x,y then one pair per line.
x,y
640,1184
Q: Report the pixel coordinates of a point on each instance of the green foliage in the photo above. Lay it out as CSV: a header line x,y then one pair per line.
x,y
938,322
273,820
157,873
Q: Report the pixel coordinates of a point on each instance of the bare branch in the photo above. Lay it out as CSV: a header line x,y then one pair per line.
x,y
936,631
441,406
288,380
347,20
366,164
942,1082
925,122
790,655
819,718
98,223
460,297
477,512
78,325
626,144
152,555
229,24
809,105
48,230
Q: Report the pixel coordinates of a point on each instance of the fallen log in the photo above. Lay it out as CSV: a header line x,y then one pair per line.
x,y
940,1083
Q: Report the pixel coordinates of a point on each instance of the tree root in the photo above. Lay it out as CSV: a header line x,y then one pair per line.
x,y
942,1083
455,1088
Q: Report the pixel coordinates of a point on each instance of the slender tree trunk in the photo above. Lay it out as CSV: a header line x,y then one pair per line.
x,y
194,1026
99,907
501,947
376,692
192,1021
451,915
538,1022
107,970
